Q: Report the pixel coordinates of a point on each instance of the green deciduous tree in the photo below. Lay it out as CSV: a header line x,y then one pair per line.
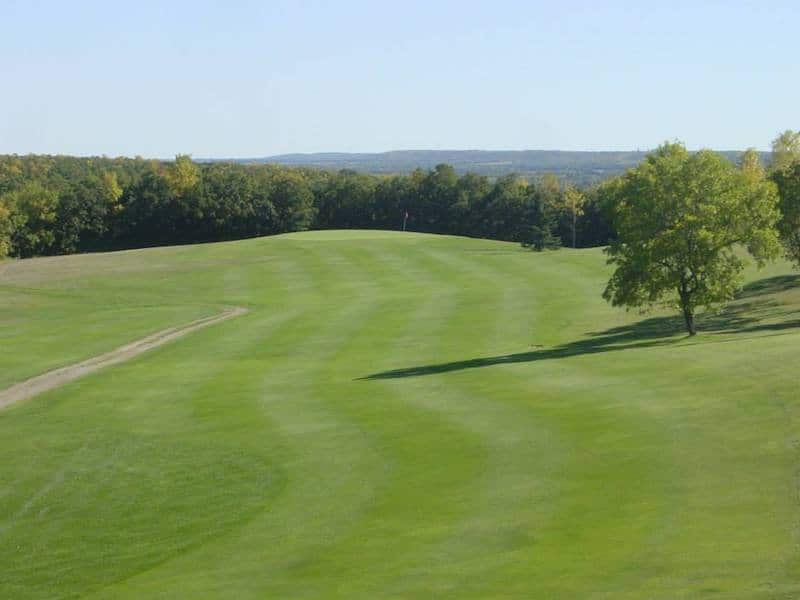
x,y
111,191
33,214
788,181
566,203
5,230
182,175
680,219
471,189
293,200
785,172
84,210
345,201
572,202
785,150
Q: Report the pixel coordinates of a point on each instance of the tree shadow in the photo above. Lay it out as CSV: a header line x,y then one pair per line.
x,y
749,313
770,285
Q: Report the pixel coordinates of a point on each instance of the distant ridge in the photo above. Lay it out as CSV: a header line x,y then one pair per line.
x,y
577,166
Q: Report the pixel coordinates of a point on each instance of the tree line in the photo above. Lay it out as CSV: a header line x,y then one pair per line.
x,y
61,205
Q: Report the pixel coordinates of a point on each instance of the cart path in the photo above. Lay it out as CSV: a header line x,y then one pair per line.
x,y
47,381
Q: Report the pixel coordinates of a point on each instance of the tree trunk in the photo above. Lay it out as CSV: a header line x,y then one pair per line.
x,y
574,229
688,317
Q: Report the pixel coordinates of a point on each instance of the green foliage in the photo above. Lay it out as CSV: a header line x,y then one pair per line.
x,y
539,237
33,210
182,175
594,223
435,193
571,206
470,191
680,218
505,205
788,182
346,198
84,212
5,229
294,199
785,172
111,190
785,151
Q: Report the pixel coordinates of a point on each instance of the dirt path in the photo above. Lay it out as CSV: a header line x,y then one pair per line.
x,y
47,381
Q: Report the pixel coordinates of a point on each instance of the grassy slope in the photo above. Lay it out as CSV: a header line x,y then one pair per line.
x,y
398,415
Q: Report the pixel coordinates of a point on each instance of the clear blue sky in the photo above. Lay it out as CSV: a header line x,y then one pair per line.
x,y
243,79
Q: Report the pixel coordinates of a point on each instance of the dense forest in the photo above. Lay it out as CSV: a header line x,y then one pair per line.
x,y
59,204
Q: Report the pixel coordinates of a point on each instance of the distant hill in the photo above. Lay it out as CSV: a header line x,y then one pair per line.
x,y
578,167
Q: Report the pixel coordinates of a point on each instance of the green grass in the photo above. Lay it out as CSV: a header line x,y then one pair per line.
x,y
398,415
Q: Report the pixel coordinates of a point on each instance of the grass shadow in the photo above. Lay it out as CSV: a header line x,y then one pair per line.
x,y
771,285
750,312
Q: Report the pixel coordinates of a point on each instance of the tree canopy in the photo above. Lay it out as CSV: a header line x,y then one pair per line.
x,y
681,219
785,150
788,182
785,172
5,230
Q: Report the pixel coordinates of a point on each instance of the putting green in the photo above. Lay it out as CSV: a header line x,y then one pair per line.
x,y
397,415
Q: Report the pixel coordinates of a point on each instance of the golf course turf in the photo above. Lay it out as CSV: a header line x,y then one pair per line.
x,y
395,415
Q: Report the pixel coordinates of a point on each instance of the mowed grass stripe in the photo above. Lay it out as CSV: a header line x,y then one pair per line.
x,y
488,526
435,462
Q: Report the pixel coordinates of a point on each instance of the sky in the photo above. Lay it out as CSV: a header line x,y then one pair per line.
x,y
249,79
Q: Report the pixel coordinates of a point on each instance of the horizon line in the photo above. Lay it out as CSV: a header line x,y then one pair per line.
x,y
353,153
